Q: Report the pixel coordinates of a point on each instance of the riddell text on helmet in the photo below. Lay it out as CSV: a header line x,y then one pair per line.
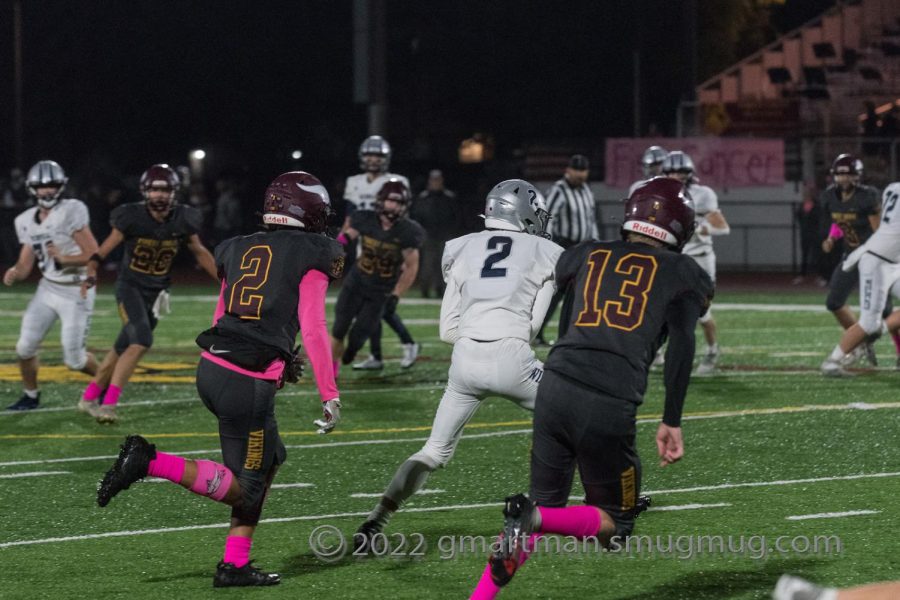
x,y
649,230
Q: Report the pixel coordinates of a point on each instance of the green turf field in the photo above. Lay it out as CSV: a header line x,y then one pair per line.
x,y
766,439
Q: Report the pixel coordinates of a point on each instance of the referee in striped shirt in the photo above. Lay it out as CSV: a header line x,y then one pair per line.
x,y
571,204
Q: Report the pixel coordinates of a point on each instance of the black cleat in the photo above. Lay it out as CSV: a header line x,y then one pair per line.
x,y
642,504
362,539
518,515
228,575
132,465
25,403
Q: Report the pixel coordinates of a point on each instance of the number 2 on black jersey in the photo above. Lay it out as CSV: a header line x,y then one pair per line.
x,y
505,245
255,265
626,311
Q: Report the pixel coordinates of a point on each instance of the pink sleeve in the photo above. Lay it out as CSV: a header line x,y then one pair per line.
x,y
220,305
835,232
311,313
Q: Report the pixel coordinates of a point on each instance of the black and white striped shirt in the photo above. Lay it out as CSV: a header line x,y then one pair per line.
x,y
572,211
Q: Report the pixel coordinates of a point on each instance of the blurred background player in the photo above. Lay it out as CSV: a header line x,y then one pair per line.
x,y
571,203
499,285
437,210
651,165
56,234
360,192
384,270
626,295
153,231
710,222
854,211
878,264
273,284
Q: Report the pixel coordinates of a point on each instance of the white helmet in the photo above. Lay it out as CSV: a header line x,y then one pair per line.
x,y
46,173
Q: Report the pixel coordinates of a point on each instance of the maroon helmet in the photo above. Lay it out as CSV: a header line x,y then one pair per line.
x,y
297,199
160,177
660,209
845,164
393,189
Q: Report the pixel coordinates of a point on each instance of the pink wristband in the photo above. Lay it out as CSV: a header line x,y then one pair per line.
x,y
343,239
835,232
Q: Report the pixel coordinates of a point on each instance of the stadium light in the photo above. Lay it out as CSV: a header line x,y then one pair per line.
x,y
198,154
297,154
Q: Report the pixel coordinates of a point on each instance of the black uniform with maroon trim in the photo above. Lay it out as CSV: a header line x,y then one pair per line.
x,y
150,248
261,294
623,300
372,278
852,216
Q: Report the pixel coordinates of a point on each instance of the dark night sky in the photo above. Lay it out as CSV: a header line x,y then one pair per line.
x,y
124,84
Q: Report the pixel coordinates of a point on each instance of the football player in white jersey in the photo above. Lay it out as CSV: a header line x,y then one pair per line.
x,y
651,164
499,285
878,260
56,234
710,222
360,191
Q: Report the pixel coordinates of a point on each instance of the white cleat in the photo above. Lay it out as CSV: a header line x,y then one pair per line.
x,y
106,413
834,368
795,588
659,360
707,364
370,364
91,408
410,354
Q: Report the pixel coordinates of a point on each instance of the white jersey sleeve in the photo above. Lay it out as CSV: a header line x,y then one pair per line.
x,y
705,202
498,276
885,242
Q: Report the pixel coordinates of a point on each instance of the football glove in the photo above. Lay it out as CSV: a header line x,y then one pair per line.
x,y
293,370
390,307
331,416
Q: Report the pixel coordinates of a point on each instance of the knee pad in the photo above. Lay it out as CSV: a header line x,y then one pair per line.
x,y
26,349
75,360
873,325
433,456
707,316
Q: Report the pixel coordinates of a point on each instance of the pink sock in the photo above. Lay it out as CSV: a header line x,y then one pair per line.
x,y
167,466
92,392
486,588
578,521
112,395
213,480
896,337
237,550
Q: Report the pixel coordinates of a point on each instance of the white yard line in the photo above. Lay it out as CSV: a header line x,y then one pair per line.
x,y
94,536
751,484
380,494
34,474
292,485
689,506
833,515
474,436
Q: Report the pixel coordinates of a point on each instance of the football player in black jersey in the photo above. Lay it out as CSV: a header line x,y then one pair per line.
x,y
624,299
855,212
152,231
389,245
273,284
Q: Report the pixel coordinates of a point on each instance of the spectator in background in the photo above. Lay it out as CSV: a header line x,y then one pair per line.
x,y
14,194
198,198
870,128
573,218
890,127
436,210
809,223
228,219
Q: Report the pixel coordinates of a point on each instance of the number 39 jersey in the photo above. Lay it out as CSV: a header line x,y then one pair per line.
x,y
67,217
616,316
497,275
262,274
150,246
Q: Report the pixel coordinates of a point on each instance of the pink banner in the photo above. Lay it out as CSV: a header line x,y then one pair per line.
x,y
719,162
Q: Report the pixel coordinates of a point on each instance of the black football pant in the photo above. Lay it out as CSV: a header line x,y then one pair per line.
x,y
396,323
575,425
136,311
357,315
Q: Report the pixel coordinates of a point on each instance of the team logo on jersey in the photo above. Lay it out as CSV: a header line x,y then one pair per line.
x,y
337,267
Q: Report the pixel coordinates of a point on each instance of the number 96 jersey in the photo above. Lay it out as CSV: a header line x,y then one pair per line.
x,y
497,275
621,296
151,246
